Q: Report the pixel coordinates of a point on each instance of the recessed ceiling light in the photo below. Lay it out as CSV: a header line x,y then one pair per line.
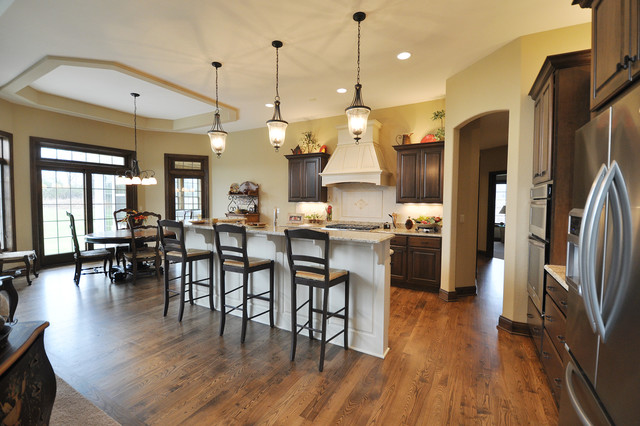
x,y
403,55
341,90
269,105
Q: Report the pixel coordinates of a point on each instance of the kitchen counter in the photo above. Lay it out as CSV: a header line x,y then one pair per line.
x,y
365,255
402,230
558,272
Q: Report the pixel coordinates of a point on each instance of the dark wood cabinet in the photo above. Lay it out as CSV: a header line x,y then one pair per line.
x,y
419,173
305,182
415,262
561,96
534,321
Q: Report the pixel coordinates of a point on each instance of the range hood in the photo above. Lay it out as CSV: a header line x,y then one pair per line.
x,y
361,163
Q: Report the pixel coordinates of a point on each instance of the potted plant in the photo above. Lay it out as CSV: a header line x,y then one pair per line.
x,y
439,115
309,143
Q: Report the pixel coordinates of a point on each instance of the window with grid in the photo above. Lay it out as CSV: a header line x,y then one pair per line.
x,y
7,210
187,186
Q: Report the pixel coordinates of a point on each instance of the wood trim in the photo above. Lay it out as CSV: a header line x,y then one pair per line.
x,y
513,327
448,296
466,291
555,62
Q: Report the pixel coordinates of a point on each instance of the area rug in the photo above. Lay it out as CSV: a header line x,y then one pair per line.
x,y
71,408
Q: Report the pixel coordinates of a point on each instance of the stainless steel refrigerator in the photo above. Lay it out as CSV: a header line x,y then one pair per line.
x,y
602,379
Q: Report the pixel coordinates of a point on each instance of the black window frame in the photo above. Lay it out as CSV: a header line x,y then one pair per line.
x,y
7,193
171,173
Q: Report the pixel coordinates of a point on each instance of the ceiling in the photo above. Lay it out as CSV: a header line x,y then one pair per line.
x,y
84,58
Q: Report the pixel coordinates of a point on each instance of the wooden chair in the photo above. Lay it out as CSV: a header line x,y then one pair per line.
x,y
81,256
139,254
118,217
314,272
25,257
235,259
174,251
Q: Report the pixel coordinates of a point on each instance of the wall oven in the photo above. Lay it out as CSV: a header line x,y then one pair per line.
x,y
540,211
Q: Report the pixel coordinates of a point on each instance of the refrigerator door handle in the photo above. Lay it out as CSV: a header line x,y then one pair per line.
x,y
568,373
586,263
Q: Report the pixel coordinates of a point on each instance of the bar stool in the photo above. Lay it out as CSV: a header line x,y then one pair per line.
x,y
314,272
174,251
235,259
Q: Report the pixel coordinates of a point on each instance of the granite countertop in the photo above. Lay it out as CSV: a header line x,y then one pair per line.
x,y
355,236
558,272
402,230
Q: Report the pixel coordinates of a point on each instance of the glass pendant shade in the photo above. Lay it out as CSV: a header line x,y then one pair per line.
x,y
357,115
217,136
134,176
277,128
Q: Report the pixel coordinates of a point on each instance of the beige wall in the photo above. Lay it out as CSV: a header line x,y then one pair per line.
x,y
491,160
248,156
500,82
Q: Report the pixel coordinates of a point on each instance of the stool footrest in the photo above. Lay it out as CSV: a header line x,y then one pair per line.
x,y
302,306
257,315
334,336
330,314
231,291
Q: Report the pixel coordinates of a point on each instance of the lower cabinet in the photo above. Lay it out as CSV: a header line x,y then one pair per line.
x,y
534,321
415,262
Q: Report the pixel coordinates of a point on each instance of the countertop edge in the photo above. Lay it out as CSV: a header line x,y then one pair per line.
x,y
558,272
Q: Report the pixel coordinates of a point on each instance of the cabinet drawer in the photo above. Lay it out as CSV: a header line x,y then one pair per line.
x,y
555,324
534,320
399,240
424,242
557,293
552,366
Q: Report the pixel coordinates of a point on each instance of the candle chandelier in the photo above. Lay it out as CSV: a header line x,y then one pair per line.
x,y
217,136
134,176
277,126
358,112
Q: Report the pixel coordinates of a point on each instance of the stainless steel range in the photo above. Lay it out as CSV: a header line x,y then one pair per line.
x,y
350,227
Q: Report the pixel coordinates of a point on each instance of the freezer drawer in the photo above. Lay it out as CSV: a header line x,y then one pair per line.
x,y
578,403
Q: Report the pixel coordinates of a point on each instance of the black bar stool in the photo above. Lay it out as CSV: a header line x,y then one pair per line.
x,y
235,259
174,251
314,272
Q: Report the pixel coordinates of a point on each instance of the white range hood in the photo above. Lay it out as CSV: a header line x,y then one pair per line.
x,y
361,163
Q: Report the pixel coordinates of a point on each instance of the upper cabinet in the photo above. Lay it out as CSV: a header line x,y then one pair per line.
x,y
305,182
615,47
419,173
561,95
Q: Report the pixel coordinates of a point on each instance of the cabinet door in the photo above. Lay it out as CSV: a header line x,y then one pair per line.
x,y
407,186
431,163
635,39
424,268
311,179
611,35
296,187
399,264
543,134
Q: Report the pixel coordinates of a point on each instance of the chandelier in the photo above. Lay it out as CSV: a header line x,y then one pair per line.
x,y
277,126
217,136
134,176
358,112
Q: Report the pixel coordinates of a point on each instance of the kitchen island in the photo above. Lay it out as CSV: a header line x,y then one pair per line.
x,y
364,254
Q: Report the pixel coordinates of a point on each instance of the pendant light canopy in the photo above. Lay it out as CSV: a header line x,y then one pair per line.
x,y
217,136
277,126
134,176
358,112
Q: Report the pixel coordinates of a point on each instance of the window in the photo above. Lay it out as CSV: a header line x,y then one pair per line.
x,y
187,186
7,211
75,178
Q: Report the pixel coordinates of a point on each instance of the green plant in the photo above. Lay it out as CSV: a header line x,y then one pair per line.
x,y
439,115
309,142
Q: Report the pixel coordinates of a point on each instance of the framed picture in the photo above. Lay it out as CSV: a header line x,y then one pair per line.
x,y
295,218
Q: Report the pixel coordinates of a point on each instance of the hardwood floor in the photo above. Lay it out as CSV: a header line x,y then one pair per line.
x,y
448,364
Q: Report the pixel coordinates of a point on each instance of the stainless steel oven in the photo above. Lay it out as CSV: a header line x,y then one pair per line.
x,y
535,275
539,211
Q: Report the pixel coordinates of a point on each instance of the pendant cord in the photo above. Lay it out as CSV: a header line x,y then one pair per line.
x,y
358,76
217,108
277,70
135,125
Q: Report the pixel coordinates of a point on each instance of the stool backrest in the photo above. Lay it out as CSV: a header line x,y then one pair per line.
x,y
172,244
226,252
307,263
150,222
120,216
74,234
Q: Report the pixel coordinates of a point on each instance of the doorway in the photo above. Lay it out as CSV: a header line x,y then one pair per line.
x,y
496,214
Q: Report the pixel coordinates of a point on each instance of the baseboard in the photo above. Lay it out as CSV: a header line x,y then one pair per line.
x,y
466,291
513,327
448,296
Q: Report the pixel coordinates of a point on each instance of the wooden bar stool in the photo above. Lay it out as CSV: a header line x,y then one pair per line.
x,y
314,272
174,251
235,259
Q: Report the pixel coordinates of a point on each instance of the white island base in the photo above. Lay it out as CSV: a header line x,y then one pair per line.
x,y
364,254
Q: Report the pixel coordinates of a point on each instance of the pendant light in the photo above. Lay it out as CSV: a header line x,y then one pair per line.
x,y
277,126
134,176
357,112
217,136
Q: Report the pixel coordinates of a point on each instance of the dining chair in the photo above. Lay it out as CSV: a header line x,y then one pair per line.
x,y
82,256
314,272
140,255
235,259
120,218
174,251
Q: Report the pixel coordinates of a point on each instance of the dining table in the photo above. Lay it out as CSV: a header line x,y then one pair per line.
x,y
123,236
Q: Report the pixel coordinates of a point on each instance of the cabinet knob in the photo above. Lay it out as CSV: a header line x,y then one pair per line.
x,y
558,381
560,338
546,355
549,318
551,288
563,303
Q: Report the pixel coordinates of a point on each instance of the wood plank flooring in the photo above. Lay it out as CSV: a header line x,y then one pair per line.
x,y
448,364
